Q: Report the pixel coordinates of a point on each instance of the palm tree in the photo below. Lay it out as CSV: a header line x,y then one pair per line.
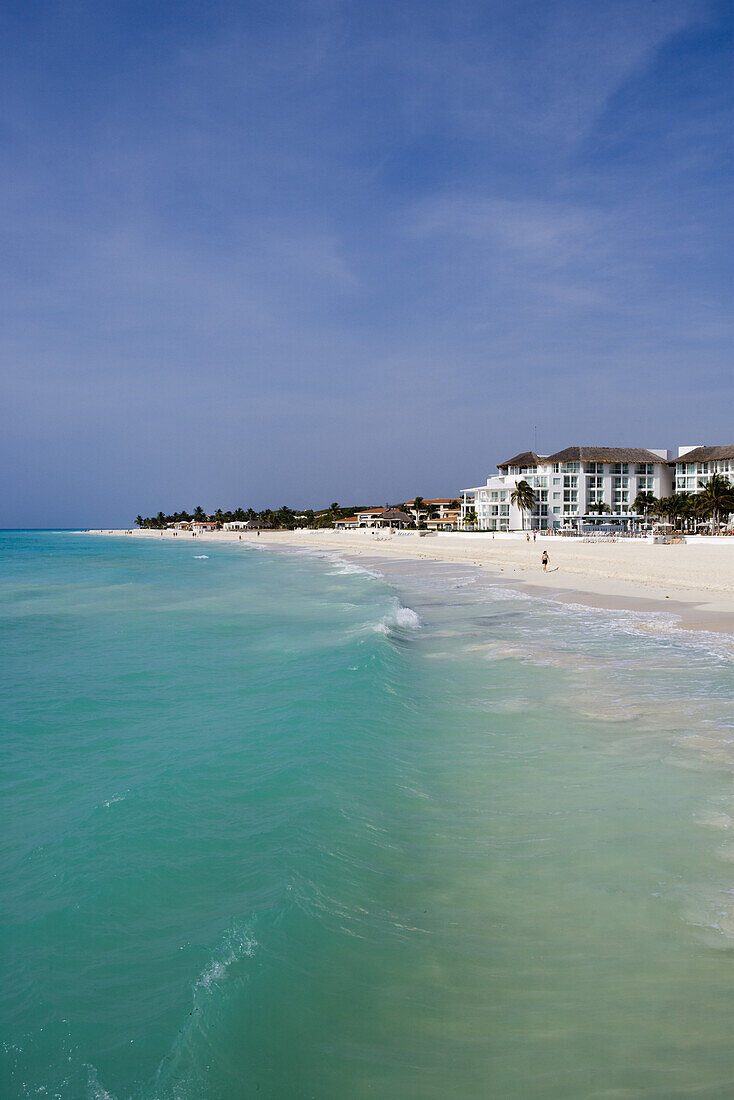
x,y
685,508
643,502
139,521
523,497
599,507
470,517
418,509
716,499
664,508
199,514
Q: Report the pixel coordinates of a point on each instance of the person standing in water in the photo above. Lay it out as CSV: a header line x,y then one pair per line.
x,y
544,560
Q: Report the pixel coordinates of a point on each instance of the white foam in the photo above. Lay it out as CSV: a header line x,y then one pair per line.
x,y
400,618
200,557
94,1089
236,944
343,567
115,798
347,568
663,625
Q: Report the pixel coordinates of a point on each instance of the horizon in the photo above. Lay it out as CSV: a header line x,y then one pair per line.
x,y
329,250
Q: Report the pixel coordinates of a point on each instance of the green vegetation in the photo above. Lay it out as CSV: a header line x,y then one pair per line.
x,y
714,502
645,503
284,517
716,499
523,496
421,510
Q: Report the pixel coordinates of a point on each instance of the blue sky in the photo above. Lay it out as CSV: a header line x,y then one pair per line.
x,y
266,253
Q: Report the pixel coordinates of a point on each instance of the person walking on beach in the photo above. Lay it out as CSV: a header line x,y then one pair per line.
x,y
544,560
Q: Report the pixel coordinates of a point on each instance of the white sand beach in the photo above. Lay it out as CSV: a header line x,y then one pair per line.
x,y
694,580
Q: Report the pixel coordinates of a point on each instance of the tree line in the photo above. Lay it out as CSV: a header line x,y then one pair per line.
x,y
714,501
283,518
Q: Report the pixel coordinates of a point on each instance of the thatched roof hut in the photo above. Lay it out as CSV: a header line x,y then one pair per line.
x,y
395,518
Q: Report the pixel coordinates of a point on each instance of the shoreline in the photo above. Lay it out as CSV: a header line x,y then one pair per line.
x,y
693,581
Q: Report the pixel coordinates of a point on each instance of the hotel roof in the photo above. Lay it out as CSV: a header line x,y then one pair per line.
x,y
525,458
707,454
604,454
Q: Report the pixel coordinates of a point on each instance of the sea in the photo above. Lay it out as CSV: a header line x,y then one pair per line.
x,y
282,825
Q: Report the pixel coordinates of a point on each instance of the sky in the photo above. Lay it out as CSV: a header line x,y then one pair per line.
x,y
266,253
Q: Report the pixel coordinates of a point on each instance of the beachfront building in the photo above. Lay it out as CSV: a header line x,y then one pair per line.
x,y
695,465
245,525
574,488
368,518
438,513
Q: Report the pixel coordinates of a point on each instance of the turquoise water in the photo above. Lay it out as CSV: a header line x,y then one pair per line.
x,y
275,827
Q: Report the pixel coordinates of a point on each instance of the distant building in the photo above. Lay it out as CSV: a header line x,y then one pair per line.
x,y
439,513
367,518
569,486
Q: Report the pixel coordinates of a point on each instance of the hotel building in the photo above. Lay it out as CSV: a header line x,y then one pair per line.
x,y
695,465
568,486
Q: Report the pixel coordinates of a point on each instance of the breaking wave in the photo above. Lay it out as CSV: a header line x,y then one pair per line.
x,y
398,621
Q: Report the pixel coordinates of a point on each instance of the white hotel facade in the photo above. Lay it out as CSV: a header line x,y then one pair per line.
x,y
567,485
695,465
